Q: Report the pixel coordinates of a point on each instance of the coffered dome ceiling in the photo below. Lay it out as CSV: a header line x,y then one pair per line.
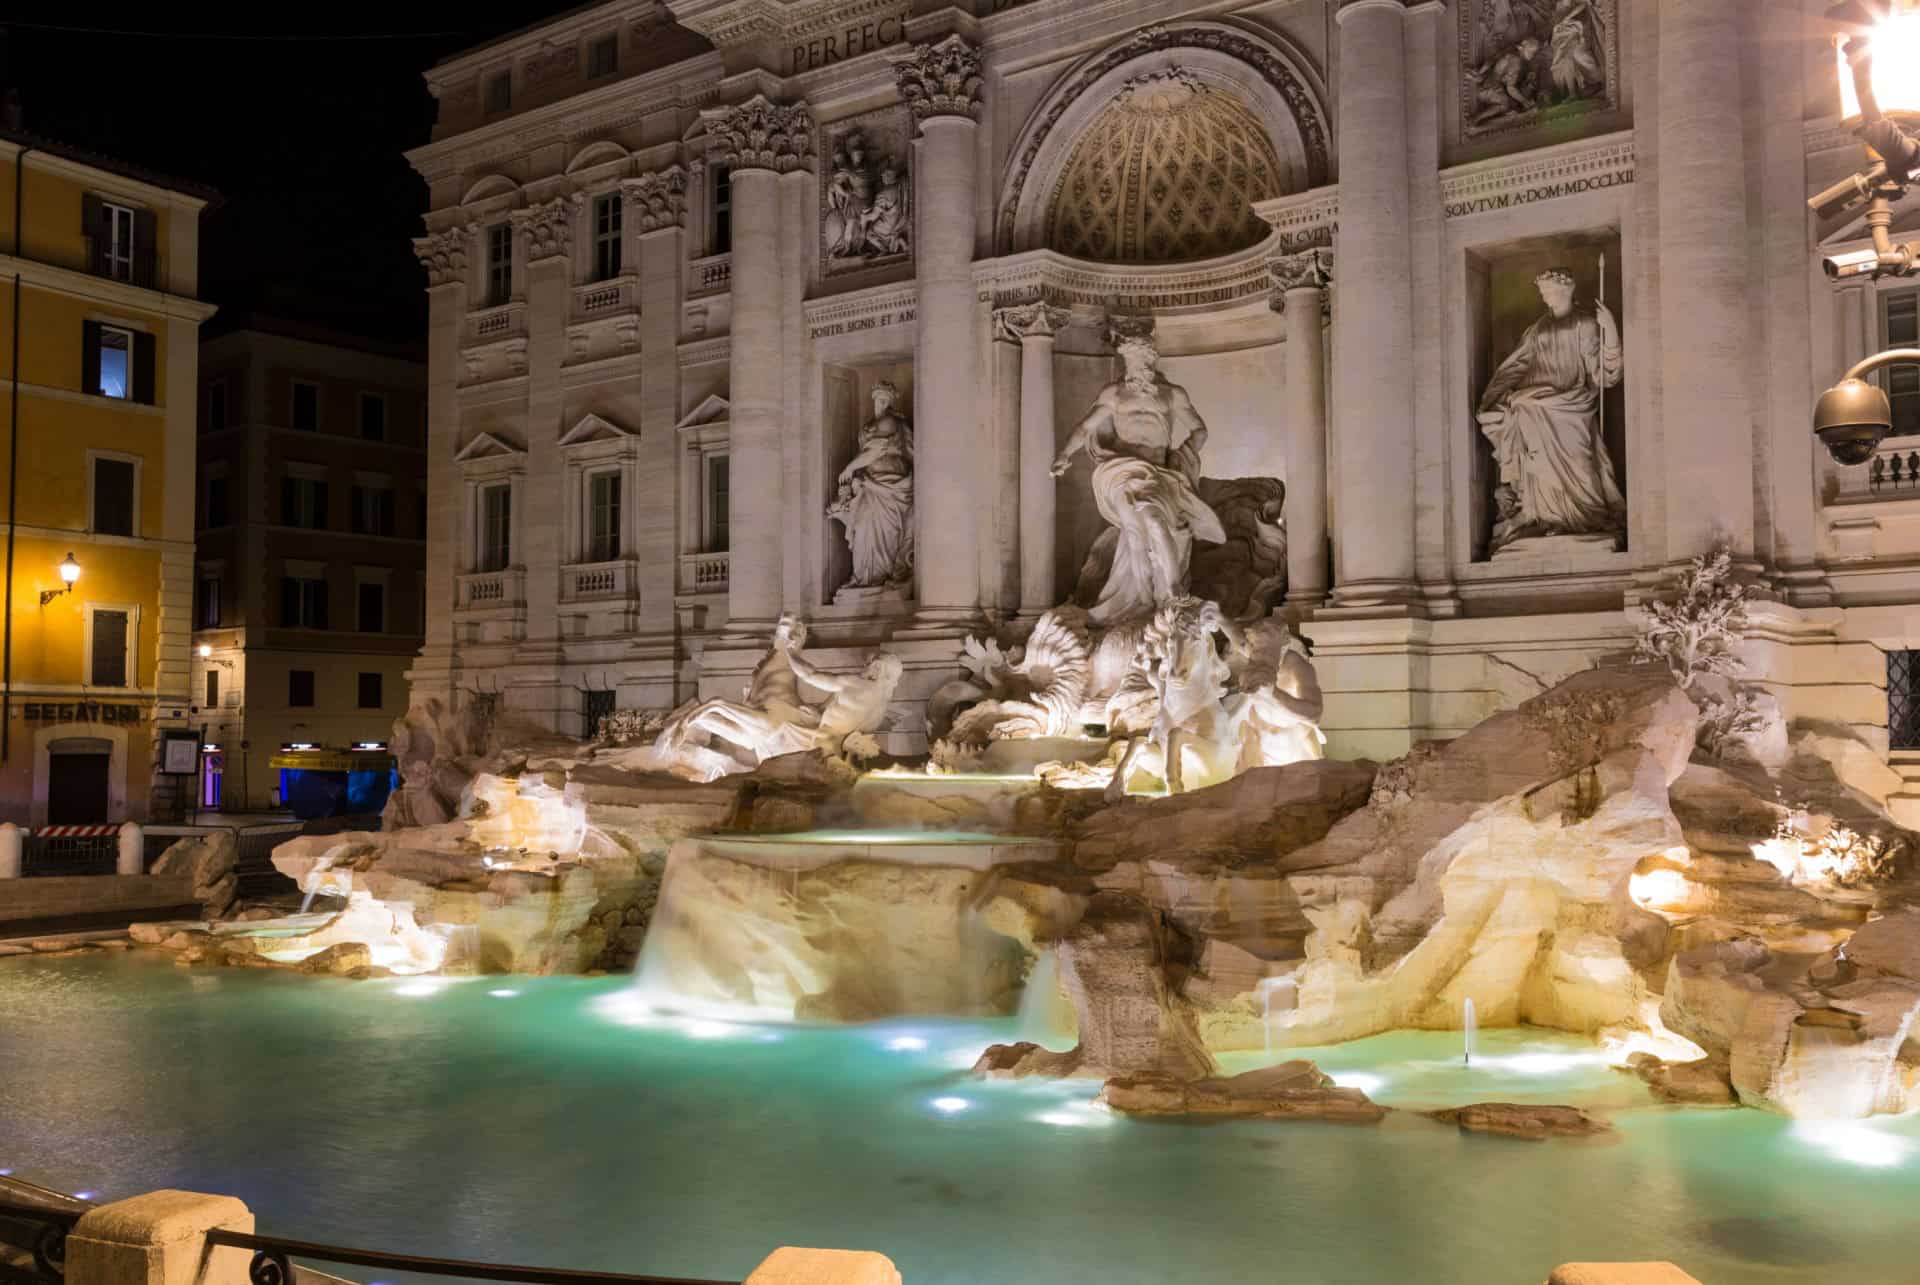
x,y
1168,173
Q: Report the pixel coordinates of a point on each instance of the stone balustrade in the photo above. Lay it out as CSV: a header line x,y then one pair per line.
x,y
588,581
490,589
703,572
491,325
711,275
605,298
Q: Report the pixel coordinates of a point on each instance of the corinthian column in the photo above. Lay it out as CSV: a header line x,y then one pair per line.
x,y
1706,332
1035,325
655,214
444,254
546,230
1301,282
758,141
941,85
1373,325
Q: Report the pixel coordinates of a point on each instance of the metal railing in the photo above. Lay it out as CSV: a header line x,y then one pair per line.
x,y
55,856
40,1228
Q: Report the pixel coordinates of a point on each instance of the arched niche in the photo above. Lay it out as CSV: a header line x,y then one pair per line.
x,y
1257,70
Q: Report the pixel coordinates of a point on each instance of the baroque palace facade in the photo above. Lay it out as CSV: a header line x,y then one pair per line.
x,y
1517,302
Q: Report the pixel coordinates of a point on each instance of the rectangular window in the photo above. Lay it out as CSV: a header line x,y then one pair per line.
x,y
300,688
373,510
109,648
370,693
499,264
113,487
499,92
117,256
216,406
603,57
303,503
606,236
303,602
1903,700
373,417
496,528
722,194
209,614
373,608
213,690
1900,325
216,501
304,413
603,517
115,355
596,706
718,500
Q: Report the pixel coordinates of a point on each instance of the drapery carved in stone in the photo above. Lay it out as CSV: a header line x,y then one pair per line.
x,y
1168,173
444,254
548,227
866,214
941,79
1023,321
1525,61
658,199
759,134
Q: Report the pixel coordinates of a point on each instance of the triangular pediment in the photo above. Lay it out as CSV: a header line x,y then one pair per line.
x,y
714,410
593,428
485,446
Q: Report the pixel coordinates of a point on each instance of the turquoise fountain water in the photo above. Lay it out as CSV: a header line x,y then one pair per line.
x,y
553,1120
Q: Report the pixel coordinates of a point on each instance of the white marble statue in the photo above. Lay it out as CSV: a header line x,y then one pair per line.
x,y
1541,412
865,218
1144,438
1194,713
707,739
874,500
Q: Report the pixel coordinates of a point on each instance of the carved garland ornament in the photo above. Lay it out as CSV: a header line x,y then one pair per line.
x,y
763,135
1274,70
548,227
940,79
444,254
658,199
1310,269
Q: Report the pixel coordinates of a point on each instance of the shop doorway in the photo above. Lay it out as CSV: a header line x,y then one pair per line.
x,y
77,786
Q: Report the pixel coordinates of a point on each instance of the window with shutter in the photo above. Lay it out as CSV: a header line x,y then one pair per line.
x,y
109,652
216,501
113,489
143,386
304,414
373,417
216,406
213,689
108,359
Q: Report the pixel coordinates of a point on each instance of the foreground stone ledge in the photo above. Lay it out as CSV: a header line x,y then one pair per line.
x,y
158,1239
1619,1274
1290,1091
1522,1120
790,1266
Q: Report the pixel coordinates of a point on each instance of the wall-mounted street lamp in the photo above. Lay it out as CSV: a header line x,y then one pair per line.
x,y
69,572
206,654
1877,58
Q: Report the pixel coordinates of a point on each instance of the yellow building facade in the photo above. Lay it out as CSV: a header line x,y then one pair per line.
x,y
99,267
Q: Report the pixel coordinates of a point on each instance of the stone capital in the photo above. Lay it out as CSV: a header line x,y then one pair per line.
x,y
1308,270
658,199
762,135
548,227
1030,321
444,254
940,79
1350,7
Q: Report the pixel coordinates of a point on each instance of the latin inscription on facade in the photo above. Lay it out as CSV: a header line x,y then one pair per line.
x,y
848,42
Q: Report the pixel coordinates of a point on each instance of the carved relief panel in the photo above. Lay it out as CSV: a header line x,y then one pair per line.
x,y
1536,62
866,193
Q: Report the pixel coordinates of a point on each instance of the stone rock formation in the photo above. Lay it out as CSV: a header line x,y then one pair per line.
x,y
209,859
1519,1120
1289,1091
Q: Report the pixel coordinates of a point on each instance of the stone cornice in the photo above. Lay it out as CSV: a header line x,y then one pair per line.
x,y
940,79
760,134
1042,276
105,290
1567,169
658,199
1355,6
1303,220
1826,134
701,352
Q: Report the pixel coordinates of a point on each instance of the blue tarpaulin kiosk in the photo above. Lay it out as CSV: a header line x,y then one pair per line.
x,y
331,783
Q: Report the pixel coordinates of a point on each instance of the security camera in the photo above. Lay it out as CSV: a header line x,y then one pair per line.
x,y
1851,420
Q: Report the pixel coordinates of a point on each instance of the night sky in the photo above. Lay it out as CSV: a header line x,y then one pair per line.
x,y
291,111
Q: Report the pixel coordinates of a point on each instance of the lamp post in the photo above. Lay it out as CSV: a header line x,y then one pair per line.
x,y
69,573
1877,61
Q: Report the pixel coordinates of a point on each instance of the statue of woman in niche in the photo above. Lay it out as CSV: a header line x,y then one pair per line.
x,y
874,501
1541,412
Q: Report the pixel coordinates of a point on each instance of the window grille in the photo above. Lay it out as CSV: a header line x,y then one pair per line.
x,y
596,707
1903,700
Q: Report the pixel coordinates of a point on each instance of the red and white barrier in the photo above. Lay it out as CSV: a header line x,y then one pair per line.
x,y
76,831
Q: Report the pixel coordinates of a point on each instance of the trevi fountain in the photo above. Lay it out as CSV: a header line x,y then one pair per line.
x,y
1036,879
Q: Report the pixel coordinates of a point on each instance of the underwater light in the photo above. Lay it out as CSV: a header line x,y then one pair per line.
x,y
85,1195
1854,1141
419,989
6,1173
503,994
703,1029
950,1106
908,1044
1365,1081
